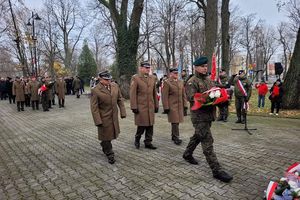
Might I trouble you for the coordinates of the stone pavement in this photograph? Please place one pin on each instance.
(56, 155)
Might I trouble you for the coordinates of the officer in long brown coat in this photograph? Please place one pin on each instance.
(105, 99)
(174, 102)
(60, 86)
(143, 103)
(201, 120)
(19, 92)
(34, 85)
(76, 86)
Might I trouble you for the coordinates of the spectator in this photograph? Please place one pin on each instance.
(276, 96)
(262, 89)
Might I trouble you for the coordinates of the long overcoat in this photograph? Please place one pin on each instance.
(104, 108)
(143, 97)
(60, 86)
(174, 99)
(33, 89)
(19, 90)
(76, 84)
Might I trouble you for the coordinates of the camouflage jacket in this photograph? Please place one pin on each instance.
(246, 84)
(200, 83)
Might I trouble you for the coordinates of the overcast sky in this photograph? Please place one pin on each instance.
(265, 9)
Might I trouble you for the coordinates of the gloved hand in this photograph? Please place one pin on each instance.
(185, 111)
(156, 110)
(166, 111)
(99, 125)
(135, 111)
(122, 117)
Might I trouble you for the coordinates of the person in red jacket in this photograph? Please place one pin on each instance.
(262, 91)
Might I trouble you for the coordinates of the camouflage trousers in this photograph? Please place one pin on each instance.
(239, 106)
(223, 110)
(203, 135)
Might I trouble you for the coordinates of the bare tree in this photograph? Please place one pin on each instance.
(225, 16)
(68, 16)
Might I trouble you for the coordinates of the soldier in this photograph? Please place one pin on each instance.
(60, 86)
(33, 89)
(201, 119)
(19, 92)
(143, 103)
(27, 92)
(9, 85)
(223, 107)
(105, 99)
(76, 86)
(242, 93)
(174, 102)
(46, 86)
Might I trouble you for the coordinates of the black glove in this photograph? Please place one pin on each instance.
(185, 111)
(122, 117)
(99, 125)
(156, 110)
(166, 111)
(135, 111)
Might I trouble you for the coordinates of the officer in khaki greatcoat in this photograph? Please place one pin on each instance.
(61, 88)
(34, 85)
(105, 99)
(174, 102)
(201, 120)
(19, 92)
(144, 103)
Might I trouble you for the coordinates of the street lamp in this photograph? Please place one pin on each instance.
(34, 16)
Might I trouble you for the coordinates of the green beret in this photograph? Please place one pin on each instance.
(200, 61)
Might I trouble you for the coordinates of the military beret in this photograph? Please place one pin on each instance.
(105, 75)
(145, 64)
(241, 71)
(200, 61)
(175, 70)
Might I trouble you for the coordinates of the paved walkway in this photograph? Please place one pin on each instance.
(56, 155)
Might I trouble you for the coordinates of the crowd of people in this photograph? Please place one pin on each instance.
(31, 92)
(106, 101)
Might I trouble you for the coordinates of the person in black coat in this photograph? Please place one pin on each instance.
(276, 96)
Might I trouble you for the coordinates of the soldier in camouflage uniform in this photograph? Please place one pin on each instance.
(241, 97)
(201, 120)
(223, 107)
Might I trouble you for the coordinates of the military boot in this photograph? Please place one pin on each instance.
(111, 159)
(239, 120)
(137, 143)
(222, 176)
(150, 146)
(176, 140)
(190, 159)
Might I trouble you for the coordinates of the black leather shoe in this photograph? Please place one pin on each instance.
(224, 120)
(243, 122)
(111, 160)
(137, 144)
(223, 176)
(190, 159)
(177, 141)
(150, 146)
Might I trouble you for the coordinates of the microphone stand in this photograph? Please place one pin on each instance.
(244, 112)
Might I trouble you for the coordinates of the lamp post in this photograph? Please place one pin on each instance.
(34, 16)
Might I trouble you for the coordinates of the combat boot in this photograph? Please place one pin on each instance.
(190, 159)
(239, 120)
(111, 159)
(177, 141)
(150, 146)
(137, 143)
(222, 176)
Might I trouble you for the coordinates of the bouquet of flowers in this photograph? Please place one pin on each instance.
(213, 96)
(42, 89)
(288, 187)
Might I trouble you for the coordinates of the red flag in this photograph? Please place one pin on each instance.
(213, 68)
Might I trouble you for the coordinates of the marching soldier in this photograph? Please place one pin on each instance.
(242, 93)
(143, 103)
(201, 119)
(60, 86)
(174, 103)
(105, 99)
(76, 86)
(223, 107)
(33, 88)
(19, 92)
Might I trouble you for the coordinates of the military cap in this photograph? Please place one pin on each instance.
(145, 64)
(200, 61)
(17, 77)
(241, 71)
(105, 75)
(174, 70)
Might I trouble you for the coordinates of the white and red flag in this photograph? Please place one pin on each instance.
(270, 190)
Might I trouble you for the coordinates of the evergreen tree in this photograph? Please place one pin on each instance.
(87, 66)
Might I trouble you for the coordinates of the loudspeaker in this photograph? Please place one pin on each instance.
(278, 68)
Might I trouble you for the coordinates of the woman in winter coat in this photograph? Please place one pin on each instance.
(276, 96)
